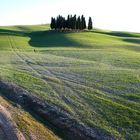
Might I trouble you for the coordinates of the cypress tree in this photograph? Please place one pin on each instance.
(68, 22)
(57, 22)
(81, 24)
(52, 23)
(84, 23)
(78, 23)
(64, 23)
(61, 22)
(90, 26)
(74, 22)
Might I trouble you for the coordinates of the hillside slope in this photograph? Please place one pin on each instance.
(93, 76)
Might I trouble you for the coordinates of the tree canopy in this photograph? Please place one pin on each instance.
(90, 26)
(72, 22)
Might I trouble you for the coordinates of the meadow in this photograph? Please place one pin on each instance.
(93, 75)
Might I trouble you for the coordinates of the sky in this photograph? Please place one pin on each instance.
(122, 15)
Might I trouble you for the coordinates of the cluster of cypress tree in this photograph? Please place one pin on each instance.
(72, 22)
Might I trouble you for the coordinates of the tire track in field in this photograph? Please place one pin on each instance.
(65, 81)
(26, 61)
(66, 92)
(57, 75)
(15, 51)
(29, 62)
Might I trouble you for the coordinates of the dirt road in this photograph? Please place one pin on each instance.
(8, 130)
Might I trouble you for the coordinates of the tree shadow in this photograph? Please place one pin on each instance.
(119, 34)
(11, 32)
(132, 40)
(45, 38)
(52, 39)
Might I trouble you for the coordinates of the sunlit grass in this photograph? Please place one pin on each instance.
(94, 76)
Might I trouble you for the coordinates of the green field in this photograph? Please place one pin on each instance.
(93, 75)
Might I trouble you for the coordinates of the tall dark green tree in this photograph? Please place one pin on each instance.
(81, 23)
(64, 23)
(90, 26)
(68, 22)
(52, 23)
(84, 23)
(78, 23)
(72, 22)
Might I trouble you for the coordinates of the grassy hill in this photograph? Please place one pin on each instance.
(94, 76)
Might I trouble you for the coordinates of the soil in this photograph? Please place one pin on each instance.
(8, 130)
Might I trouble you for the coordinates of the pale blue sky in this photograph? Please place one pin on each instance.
(106, 14)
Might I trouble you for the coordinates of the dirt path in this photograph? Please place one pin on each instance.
(8, 130)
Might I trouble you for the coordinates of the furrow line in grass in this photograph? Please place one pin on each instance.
(69, 84)
(52, 75)
(52, 114)
(27, 60)
(65, 80)
(31, 64)
(14, 48)
(111, 97)
(19, 56)
(107, 65)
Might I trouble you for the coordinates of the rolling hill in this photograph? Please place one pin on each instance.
(93, 76)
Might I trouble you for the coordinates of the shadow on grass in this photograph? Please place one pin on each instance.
(131, 40)
(119, 34)
(11, 32)
(61, 39)
(53, 39)
(45, 38)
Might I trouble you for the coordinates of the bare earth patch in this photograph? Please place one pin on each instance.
(8, 128)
